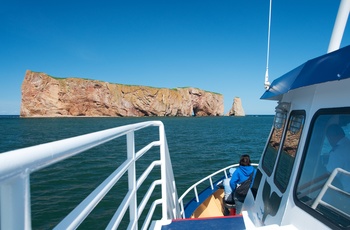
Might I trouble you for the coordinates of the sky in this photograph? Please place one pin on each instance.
(218, 46)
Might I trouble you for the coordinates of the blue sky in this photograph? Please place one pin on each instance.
(218, 46)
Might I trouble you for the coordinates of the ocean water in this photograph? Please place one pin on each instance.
(198, 147)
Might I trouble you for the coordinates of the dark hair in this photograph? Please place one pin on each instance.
(335, 130)
(334, 133)
(245, 160)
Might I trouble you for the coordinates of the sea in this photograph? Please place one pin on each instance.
(198, 147)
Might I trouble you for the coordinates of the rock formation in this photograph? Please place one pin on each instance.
(237, 108)
(46, 96)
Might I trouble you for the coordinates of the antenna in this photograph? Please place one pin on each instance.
(267, 83)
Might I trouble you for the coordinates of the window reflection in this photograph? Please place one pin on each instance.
(289, 149)
(324, 182)
(270, 155)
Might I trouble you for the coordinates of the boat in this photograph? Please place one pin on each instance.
(299, 183)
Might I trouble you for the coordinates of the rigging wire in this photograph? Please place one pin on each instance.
(267, 83)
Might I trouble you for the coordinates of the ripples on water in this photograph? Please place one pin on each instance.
(198, 147)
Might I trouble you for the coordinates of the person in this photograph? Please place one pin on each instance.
(241, 174)
(228, 198)
(339, 156)
(227, 187)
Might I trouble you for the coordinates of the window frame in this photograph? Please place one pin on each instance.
(299, 203)
(268, 171)
(282, 145)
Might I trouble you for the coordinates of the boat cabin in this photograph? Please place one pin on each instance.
(303, 178)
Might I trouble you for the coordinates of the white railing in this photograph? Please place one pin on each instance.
(209, 178)
(328, 185)
(16, 167)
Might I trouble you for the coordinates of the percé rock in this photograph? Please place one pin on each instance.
(46, 96)
(237, 108)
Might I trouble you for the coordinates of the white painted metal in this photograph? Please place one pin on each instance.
(16, 166)
(163, 173)
(133, 215)
(311, 99)
(328, 185)
(339, 26)
(267, 83)
(15, 203)
(150, 213)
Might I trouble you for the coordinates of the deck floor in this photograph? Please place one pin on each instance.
(229, 222)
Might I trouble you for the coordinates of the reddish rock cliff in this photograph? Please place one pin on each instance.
(45, 96)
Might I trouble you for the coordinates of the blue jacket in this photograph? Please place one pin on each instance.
(241, 174)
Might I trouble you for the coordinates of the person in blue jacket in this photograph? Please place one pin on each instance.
(240, 175)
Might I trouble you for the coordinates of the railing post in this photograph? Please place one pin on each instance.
(132, 178)
(163, 172)
(15, 203)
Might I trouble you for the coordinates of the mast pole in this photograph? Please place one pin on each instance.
(339, 25)
(267, 83)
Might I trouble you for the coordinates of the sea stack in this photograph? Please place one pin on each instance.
(237, 108)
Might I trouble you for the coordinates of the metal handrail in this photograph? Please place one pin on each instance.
(16, 167)
(208, 178)
(328, 185)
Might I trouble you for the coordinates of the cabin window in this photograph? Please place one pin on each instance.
(323, 187)
(270, 155)
(289, 149)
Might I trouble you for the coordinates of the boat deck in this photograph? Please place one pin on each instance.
(226, 222)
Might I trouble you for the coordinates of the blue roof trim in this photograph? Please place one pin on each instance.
(333, 66)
